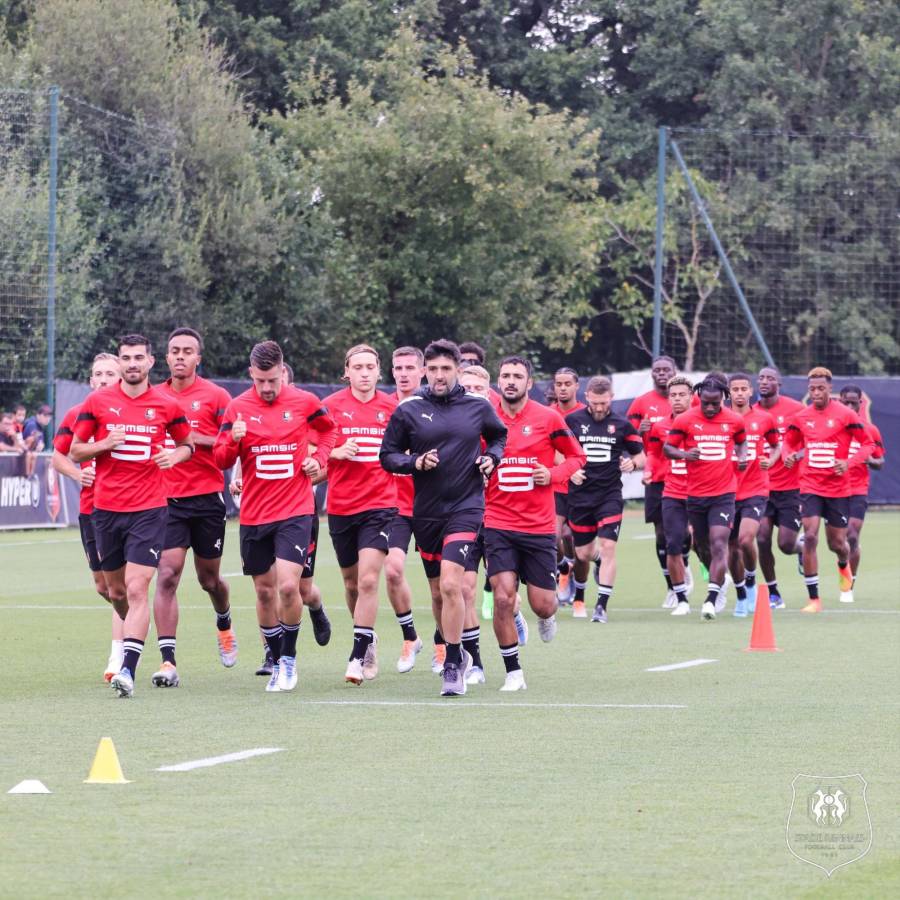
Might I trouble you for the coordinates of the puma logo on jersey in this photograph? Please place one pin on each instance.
(724, 516)
(384, 535)
(464, 551)
(698, 426)
(256, 419)
(349, 415)
(155, 553)
(300, 550)
(757, 510)
(118, 411)
(429, 416)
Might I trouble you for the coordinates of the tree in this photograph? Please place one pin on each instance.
(462, 209)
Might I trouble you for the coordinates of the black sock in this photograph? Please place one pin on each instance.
(741, 588)
(223, 620)
(563, 566)
(750, 578)
(454, 654)
(713, 593)
(362, 637)
(289, 635)
(133, 649)
(604, 592)
(662, 556)
(470, 640)
(510, 656)
(842, 563)
(167, 648)
(272, 637)
(405, 621)
(680, 592)
(812, 586)
(773, 588)
(579, 589)
(438, 637)
(686, 548)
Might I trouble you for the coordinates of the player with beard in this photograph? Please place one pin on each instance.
(818, 438)
(128, 423)
(752, 494)
(362, 505)
(196, 507)
(851, 396)
(519, 532)
(783, 505)
(268, 427)
(436, 435)
(709, 438)
(675, 493)
(612, 446)
(644, 411)
(565, 401)
(105, 372)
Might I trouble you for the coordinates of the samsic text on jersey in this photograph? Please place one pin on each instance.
(513, 502)
(272, 452)
(127, 478)
(203, 405)
(360, 483)
(714, 473)
(603, 444)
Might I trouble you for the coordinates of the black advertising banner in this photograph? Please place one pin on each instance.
(33, 495)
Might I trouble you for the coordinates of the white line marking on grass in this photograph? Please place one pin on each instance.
(218, 760)
(643, 537)
(36, 543)
(682, 665)
(511, 705)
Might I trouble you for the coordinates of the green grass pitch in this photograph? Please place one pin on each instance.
(388, 791)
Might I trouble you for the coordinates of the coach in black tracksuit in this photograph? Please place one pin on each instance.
(436, 435)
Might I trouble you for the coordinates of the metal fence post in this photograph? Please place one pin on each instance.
(51, 246)
(660, 223)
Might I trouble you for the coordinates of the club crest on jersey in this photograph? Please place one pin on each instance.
(780, 419)
(286, 415)
(526, 429)
(149, 413)
(610, 429)
(831, 423)
(379, 416)
(195, 405)
(724, 426)
(754, 426)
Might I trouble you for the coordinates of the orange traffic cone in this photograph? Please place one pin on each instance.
(762, 637)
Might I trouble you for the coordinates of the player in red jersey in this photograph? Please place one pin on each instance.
(752, 492)
(408, 370)
(612, 446)
(852, 396)
(519, 528)
(708, 437)
(196, 506)
(105, 372)
(128, 423)
(268, 427)
(818, 438)
(674, 497)
(362, 504)
(565, 393)
(783, 506)
(642, 413)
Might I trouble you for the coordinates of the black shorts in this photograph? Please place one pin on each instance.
(368, 530)
(309, 567)
(675, 524)
(653, 501)
(123, 537)
(476, 554)
(749, 508)
(287, 539)
(561, 502)
(89, 541)
(531, 556)
(602, 518)
(452, 539)
(197, 522)
(401, 532)
(834, 510)
(783, 508)
(859, 503)
(706, 512)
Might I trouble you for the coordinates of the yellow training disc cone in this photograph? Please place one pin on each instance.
(106, 768)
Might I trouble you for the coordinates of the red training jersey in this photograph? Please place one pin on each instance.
(128, 480)
(761, 431)
(672, 472)
(781, 478)
(513, 502)
(203, 405)
(406, 489)
(360, 483)
(62, 442)
(650, 406)
(564, 488)
(859, 475)
(826, 434)
(272, 452)
(713, 474)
